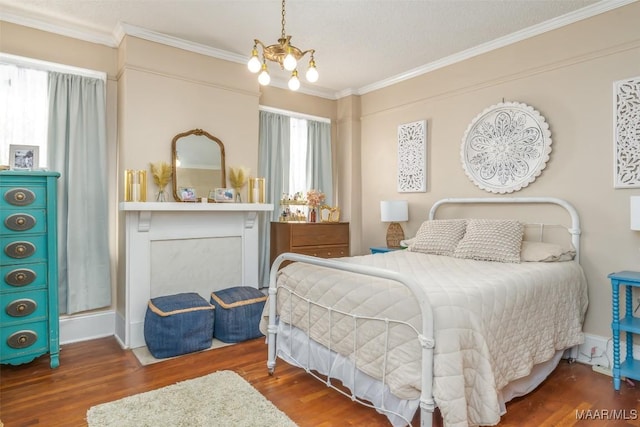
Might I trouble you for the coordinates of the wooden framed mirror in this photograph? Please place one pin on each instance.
(198, 165)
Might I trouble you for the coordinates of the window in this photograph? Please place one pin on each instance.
(23, 110)
(298, 156)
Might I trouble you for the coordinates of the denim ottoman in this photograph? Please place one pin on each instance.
(178, 324)
(237, 313)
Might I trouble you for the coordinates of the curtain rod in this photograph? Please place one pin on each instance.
(294, 114)
(50, 66)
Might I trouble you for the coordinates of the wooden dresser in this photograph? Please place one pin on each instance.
(29, 325)
(324, 239)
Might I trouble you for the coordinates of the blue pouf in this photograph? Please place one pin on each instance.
(237, 313)
(178, 324)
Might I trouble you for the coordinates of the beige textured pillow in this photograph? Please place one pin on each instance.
(491, 240)
(545, 252)
(439, 236)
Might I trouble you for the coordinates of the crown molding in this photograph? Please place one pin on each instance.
(52, 25)
(122, 29)
(552, 24)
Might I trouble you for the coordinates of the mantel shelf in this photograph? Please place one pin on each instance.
(191, 207)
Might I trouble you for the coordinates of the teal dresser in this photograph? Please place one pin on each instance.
(29, 325)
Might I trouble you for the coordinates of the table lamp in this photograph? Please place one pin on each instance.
(634, 210)
(394, 211)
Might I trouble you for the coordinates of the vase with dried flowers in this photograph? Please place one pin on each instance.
(314, 199)
(161, 172)
(238, 178)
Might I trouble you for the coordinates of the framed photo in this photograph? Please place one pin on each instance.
(187, 194)
(24, 157)
(223, 195)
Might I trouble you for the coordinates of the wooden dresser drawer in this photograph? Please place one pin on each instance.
(323, 251)
(319, 234)
(324, 240)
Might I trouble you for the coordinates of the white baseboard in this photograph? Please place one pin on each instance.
(85, 327)
(603, 354)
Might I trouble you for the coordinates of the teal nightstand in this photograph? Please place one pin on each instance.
(383, 249)
(630, 368)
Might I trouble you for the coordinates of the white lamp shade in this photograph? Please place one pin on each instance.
(394, 210)
(634, 210)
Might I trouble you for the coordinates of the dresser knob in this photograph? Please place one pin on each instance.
(20, 277)
(20, 220)
(21, 308)
(20, 249)
(22, 339)
(20, 196)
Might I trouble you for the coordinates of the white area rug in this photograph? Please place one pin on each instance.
(220, 399)
(146, 358)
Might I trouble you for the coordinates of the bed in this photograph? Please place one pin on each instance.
(440, 324)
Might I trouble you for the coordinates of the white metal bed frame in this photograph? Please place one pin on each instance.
(426, 336)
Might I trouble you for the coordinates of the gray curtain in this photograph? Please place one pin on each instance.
(319, 167)
(77, 142)
(273, 165)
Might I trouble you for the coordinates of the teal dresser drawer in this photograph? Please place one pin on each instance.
(23, 277)
(23, 249)
(22, 307)
(23, 342)
(22, 195)
(29, 321)
(23, 221)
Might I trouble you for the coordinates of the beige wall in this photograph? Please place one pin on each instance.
(164, 91)
(568, 76)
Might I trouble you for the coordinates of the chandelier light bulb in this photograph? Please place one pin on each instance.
(294, 81)
(264, 78)
(312, 73)
(254, 64)
(290, 63)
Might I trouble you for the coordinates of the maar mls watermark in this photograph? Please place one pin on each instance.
(607, 414)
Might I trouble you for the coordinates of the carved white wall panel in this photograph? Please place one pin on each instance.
(412, 157)
(506, 147)
(627, 133)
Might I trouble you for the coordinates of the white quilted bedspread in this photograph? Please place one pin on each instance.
(493, 321)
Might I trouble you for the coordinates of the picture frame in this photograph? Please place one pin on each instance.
(329, 213)
(187, 194)
(223, 195)
(24, 157)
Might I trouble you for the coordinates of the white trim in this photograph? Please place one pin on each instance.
(604, 350)
(20, 17)
(294, 114)
(122, 29)
(87, 326)
(37, 64)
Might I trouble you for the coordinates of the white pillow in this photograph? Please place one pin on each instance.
(439, 236)
(491, 240)
(545, 252)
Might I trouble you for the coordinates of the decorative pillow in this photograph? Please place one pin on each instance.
(545, 252)
(491, 240)
(439, 236)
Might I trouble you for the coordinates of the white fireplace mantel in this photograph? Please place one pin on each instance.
(184, 247)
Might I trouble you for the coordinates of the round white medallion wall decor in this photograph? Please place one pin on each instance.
(506, 147)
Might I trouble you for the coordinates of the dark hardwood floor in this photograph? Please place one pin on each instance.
(99, 371)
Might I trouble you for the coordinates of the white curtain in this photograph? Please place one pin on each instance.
(319, 165)
(23, 110)
(273, 164)
(77, 141)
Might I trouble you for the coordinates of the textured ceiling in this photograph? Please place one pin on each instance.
(360, 44)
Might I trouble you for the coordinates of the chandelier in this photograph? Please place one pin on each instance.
(285, 54)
